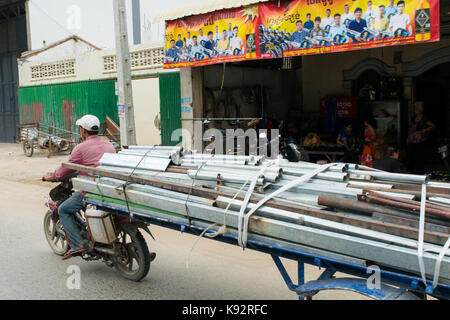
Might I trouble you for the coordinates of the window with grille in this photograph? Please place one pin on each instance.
(143, 59)
(54, 70)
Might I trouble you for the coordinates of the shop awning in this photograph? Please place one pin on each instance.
(202, 8)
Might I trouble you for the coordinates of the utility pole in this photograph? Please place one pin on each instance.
(137, 21)
(125, 103)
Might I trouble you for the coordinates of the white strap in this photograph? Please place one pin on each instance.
(437, 270)
(287, 187)
(247, 199)
(421, 233)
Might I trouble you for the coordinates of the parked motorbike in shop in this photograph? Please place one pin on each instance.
(115, 240)
(289, 148)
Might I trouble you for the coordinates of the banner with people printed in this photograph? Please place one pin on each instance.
(222, 36)
(299, 27)
(303, 27)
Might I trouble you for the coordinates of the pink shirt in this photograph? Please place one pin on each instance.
(87, 154)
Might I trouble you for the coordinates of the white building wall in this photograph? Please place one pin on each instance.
(146, 105)
(146, 59)
(147, 64)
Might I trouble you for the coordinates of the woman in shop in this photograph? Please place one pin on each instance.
(417, 140)
(369, 143)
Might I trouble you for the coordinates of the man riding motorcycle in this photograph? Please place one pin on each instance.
(88, 154)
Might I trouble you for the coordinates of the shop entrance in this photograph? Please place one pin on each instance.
(433, 89)
(263, 94)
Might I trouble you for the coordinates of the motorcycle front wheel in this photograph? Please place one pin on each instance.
(55, 235)
(133, 261)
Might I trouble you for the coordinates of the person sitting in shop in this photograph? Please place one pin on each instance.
(389, 162)
(347, 139)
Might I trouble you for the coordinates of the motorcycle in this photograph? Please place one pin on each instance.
(292, 151)
(124, 249)
(289, 149)
(272, 42)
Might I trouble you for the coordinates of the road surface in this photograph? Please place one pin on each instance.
(29, 270)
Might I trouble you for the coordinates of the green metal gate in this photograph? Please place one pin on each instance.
(170, 96)
(61, 105)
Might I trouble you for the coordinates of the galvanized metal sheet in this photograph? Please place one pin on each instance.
(138, 162)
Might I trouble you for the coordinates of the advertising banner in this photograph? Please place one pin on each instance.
(299, 27)
(303, 27)
(222, 36)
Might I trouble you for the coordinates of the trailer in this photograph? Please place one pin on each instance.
(45, 137)
(394, 284)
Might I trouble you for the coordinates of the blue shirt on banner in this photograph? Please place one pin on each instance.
(358, 26)
(179, 43)
(309, 25)
(172, 53)
(210, 44)
(299, 36)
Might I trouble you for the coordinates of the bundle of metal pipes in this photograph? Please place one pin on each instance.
(340, 211)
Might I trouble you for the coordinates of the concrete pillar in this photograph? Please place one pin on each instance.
(191, 81)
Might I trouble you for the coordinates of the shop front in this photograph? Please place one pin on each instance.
(313, 90)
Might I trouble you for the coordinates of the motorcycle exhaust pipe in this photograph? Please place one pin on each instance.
(109, 252)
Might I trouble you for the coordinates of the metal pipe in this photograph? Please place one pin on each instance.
(402, 205)
(412, 202)
(331, 176)
(386, 176)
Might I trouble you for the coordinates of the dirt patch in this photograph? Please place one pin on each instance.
(15, 166)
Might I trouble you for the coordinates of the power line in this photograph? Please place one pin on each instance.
(53, 19)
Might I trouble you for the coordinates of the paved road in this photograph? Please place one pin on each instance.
(29, 270)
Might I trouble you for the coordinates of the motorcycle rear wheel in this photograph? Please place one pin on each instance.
(58, 242)
(134, 253)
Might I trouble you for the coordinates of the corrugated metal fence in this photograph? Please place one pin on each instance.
(13, 41)
(170, 95)
(9, 115)
(61, 105)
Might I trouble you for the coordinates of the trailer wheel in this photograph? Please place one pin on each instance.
(28, 148)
